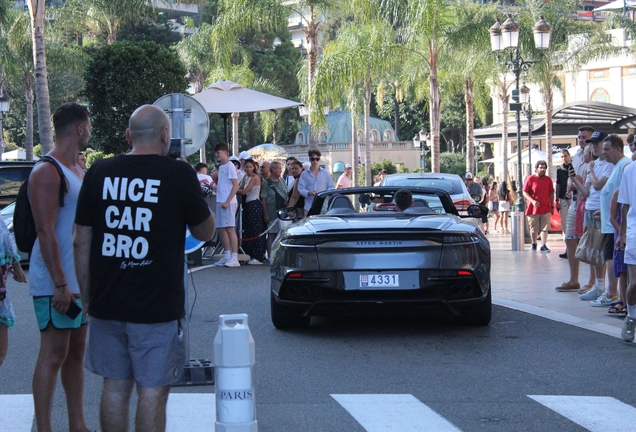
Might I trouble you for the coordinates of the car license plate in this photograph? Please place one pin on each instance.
(379, 280)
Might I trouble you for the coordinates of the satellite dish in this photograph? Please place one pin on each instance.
(195, 121)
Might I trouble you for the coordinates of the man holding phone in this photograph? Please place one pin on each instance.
(53, 284)
(129, 249)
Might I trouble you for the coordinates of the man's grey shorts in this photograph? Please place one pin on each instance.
(151, 354)
(571, 221)
(225, 217)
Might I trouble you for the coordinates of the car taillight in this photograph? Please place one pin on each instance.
(462, 205)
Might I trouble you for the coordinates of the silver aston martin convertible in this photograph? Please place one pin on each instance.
(355, 254)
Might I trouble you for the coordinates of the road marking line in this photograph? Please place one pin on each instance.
(560, 317)
(393, 412)
(590, 412)
(192, 412)
(17, 412)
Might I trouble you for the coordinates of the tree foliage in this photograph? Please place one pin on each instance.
(119, 79)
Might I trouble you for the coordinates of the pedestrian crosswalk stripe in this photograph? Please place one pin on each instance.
(17, 412)
(192, 412)
(591, 412)
(393, 412)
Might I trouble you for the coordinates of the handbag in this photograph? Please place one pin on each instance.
(591, 245)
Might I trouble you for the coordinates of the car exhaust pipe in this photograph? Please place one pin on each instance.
(292, 291)
(468, 289)
(305, 292)
(454, 289)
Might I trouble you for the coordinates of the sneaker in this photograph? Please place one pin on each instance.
(534, 247)
(544, 249)
(254, 261)
(604, 300)
(222, 261)
(563, 255)
(592, 294)
(627, 332)
(234, 262)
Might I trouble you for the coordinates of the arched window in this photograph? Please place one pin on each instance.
(300, 138)
(374, 135)
(389, 135)
(322, 137)
(360, 136)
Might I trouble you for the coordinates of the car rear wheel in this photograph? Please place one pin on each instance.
(478, 315)
(286, 318)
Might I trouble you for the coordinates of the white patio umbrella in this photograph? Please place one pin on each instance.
(617, 5)
(227, 97)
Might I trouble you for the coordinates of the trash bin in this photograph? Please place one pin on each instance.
(518, 231)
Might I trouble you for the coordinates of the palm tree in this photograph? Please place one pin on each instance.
(360, 55)
(36, 14)
(592, 44)
(17, 58)
(469, 46)
(423, 27)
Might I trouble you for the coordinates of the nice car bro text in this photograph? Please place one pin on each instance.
(131, 219)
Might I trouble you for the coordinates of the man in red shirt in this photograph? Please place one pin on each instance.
(539, 194)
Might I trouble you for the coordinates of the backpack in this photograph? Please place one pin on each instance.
(23, 223)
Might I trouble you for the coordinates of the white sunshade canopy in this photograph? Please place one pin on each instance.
(17, 155)
(617, 6)
(225, 97)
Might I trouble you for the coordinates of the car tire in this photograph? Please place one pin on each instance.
(478, 315)
(286, 318)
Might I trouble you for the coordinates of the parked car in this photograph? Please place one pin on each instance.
(341, 261)
(450, 183)
(12, 175)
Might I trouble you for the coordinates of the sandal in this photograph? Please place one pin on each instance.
(585, 288)
(617, 308)
(568, 286)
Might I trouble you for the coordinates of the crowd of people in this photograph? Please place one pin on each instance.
(595, 196)
(263, 189)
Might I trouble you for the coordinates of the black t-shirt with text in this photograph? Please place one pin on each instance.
(138, 207)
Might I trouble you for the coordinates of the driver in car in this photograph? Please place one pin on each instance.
(403, 200)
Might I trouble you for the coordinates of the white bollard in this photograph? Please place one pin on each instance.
(234, 356)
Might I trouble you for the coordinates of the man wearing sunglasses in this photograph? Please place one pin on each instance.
(314, 180)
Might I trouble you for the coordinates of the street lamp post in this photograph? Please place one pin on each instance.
(5, 103)
(524, 98)
(505, 37)
(420, 142)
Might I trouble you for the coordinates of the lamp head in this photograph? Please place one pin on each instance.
(542, 30)
(495, 37)
(510, 33)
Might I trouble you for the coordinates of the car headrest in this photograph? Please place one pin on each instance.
(340, 202)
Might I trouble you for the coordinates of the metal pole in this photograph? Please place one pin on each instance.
(521, 201)
(529, 115)
(1, 135)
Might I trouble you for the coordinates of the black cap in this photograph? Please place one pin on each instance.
(597, 137)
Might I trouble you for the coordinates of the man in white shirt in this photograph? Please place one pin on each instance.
(598, 172)
(226, 205)
(314, 180)
(345, 179)
(627, 241)
(571, 239)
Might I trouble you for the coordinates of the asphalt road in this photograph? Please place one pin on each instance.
(320, 378)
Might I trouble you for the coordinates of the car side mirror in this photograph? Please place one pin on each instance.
(288, 214)
(476, 197)
(477, 211)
